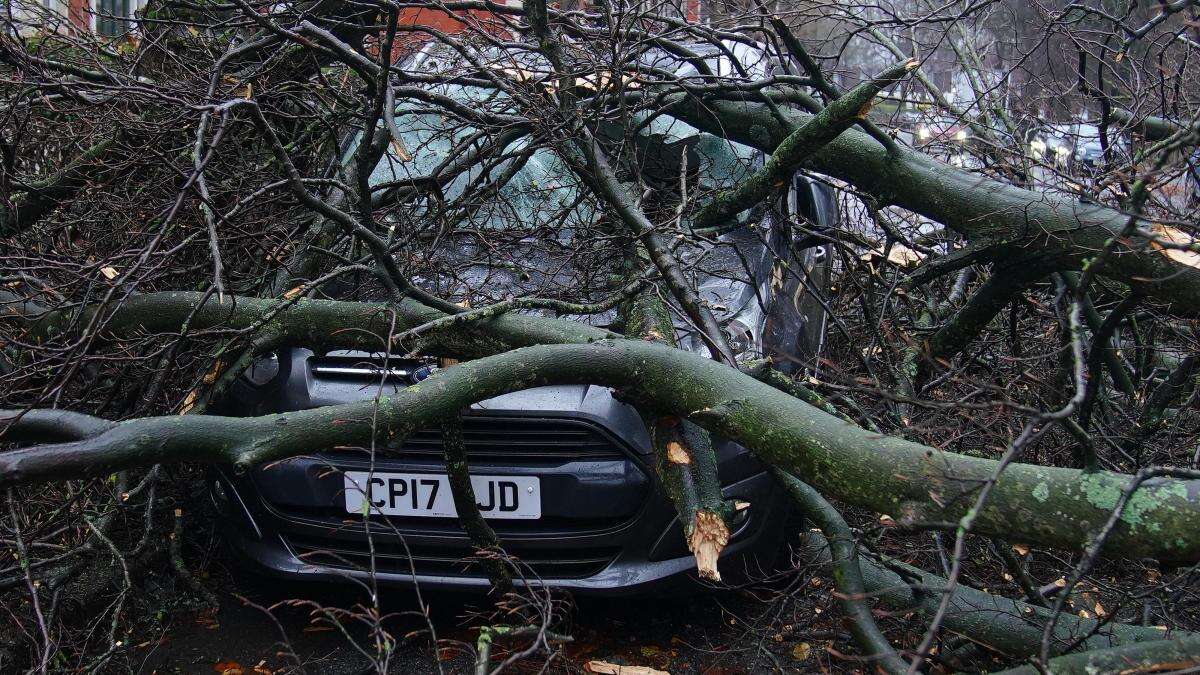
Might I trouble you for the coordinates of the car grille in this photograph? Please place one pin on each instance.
(510, 440)
(394, 557)
(513, 440)
(517, 438)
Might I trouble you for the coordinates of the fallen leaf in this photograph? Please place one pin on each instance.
(1021, 549)
(109, 273)
(606, 668)
(801, 651)
(228, 668)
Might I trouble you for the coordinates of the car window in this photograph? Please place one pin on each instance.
(543, 191)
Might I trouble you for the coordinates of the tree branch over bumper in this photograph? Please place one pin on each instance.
(914, 483)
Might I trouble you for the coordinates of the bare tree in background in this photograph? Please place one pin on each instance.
(998, 443)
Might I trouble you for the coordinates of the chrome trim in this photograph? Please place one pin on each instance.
(372, 371)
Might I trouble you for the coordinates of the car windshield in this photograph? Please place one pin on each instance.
(537, 188)
(534, 207)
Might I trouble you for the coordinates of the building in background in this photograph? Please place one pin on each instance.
(109, 18)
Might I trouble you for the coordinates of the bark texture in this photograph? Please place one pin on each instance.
(1050, 506)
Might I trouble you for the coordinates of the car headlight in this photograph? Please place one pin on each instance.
(923, 132)
(744, 341)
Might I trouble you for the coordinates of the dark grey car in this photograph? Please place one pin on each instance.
(603, 525)
(564, 474)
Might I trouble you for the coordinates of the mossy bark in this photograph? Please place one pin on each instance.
(316, 324)
(1050, 506)
(1008, 626)
(684, 457)
(1063, 231)
(482, 536)
(1163, 656)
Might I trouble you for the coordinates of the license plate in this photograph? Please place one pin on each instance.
(428, 495)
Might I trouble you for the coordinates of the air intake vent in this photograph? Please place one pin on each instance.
(514, 438)
(391, 556)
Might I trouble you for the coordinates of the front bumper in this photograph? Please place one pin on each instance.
(608, 528)
(753, 550)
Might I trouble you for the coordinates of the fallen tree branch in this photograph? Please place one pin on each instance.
(1155, 128)
(688, 468)
(847, 575)
(483, 537)
(972, 318)
(1011, 627)
(810, 136)
(1062, 230)
(310, 322)
(914, 483)
(685, 461)
(1146, 657)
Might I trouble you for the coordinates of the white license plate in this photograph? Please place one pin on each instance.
(428, 495)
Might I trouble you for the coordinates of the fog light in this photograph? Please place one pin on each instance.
(672, 543)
